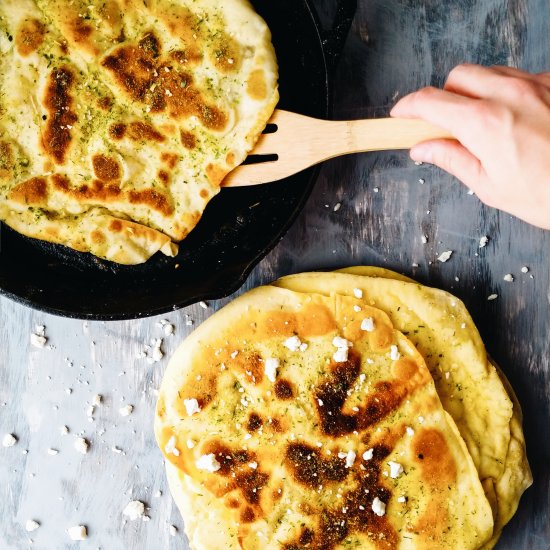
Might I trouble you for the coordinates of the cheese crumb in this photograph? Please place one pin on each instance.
(401, 499)
(134, 510)
(170, 447)
(81, 445)
(357, 308)
(208, 462)
(492, 297)
(31, 525)
(357, 292)
(350, 459)
(410, 431)
(394, 353)
(421, 419)
(204, 305)
(445, 256)
(253, 465)
(78, 532)
(367, 324)
(424, 239)
(483, 242)
(126, 411)
(270, 368)
(342, 345)
(367, 455)
(509, 278)
(9, 440)
(97, 399)
(190, 444)
(525, 269)
(378, 507)
(52, 452)
(173, 530)
(191, 406)
(395, 469)
(293, 343)
(64, 430)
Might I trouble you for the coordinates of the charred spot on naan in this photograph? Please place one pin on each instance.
(58, 101)
(29, 36)
(33, 192)
(7, 161)
(146, 76)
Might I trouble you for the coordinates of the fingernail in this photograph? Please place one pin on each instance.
(422, 153)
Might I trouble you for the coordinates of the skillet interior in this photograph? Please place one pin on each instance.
(238, 227)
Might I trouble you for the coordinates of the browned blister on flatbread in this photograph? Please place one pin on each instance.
(136, 109)
(295, 420)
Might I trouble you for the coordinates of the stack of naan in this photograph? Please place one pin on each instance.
(119, 119)
(355, 409)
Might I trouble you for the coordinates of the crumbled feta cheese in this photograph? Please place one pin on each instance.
(96, 400)
(394, 353)
(31, 525)
(81, 445)
(190, 444)
(350, 458)
(170, 447)
(270, 368)
(38, 340)
(303, 346)
(293, 343)
(357, 292)
(509, 278)
(401, 499)
(9, 440)
(421, 419)
(191, 406)
(395, 469)
(483, 242)
(367, 324)
(492, 297)
(173, 530)
(337, 207)
(204, 305)
(525, 269)
(64, 430)
(410, 431)
(367, 455)
(356, 308)
(340, 355)
(78, 532)
(253, 465)
(424, 239)
(126, 410)
(378, 507)
(234, 354)
(157, 353)
(320, 401)
(134, 510)
(445, 256)
(208, 462)
(166, 326)
(52, 452)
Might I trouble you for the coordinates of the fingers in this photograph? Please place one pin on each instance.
(442, 108)
(454, 158)
(475, 81)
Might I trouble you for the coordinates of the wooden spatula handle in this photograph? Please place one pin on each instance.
(380, 134)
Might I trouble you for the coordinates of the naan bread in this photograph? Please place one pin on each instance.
(126, 110)
(292, 420)
(473, 391)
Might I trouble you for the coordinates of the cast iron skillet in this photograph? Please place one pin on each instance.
(239, 226)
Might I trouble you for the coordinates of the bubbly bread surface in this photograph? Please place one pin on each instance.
(120, 118)
(300, 420)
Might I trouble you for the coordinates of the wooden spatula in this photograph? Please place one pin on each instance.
(298, 142)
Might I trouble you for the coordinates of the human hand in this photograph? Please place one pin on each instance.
(500, 117)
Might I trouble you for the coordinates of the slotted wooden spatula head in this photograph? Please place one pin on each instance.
(292, 143)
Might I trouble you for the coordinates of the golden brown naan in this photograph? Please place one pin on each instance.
(294, 420)
(120, 118)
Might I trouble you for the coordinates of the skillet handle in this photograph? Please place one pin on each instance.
(335, 38)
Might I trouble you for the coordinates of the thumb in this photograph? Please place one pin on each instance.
(452, 157)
